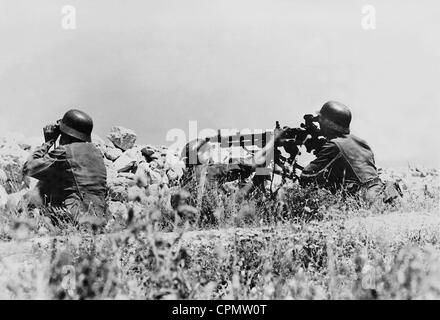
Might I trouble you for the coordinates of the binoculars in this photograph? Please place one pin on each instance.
(52, 131)
(307, 134)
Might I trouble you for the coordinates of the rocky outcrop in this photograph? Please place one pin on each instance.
(141, 174)
(122, 138)
(15, 148)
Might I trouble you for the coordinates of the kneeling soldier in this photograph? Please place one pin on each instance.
(72, 177)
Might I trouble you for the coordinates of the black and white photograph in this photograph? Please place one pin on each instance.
(209, 150)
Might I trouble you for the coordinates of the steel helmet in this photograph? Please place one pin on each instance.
(77, 124)
(335, 116)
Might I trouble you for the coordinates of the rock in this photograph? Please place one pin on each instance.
(120, 181)
(142, 179)
(112, 153)
(172, 175)
(165, 179)
(32, 183)
(117, 184)
(122, 138)
(99, 143)
(12, 153)
(149, 154)
(117, 209)
(3, 176)
(175, 172)
(112, 174)
(118, 193)
(97, 140)
(135, 153)
(126, 175)
(172, 159)
(177, 166)
(3, 198)
(33, 197)
(15, 198)
(124, 163)
(155, 176)
(15, 147)
(29, 144)
(154, 165)
(179, 171)
(108, 163)
(149, 175)
(160, 163)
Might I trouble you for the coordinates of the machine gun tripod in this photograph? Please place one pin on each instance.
(307, 135)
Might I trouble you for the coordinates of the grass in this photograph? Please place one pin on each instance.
(302, 244)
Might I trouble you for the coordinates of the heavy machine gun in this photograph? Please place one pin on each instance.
(307, 135)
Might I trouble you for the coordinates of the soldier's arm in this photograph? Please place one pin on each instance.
(42, 162)
(315, 171)
(265, 155)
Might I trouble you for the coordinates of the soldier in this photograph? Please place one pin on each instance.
(72, 177)
(345, 161)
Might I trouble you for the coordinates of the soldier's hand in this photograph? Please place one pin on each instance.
(280, 134)
(282, 140)
(51, 132)
(291, 148)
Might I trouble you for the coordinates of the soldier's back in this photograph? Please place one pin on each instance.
(358, 156)
(87, 182)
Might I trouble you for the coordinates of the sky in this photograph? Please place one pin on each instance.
(156, 65)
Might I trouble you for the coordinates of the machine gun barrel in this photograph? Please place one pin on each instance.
(242, 140)
(307, 134)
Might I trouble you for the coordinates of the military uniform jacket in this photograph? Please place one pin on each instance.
(345, 161)
(72, 176)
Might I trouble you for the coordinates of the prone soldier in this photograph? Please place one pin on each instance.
(343, 162)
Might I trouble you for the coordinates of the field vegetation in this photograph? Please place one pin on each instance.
(299, 244)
